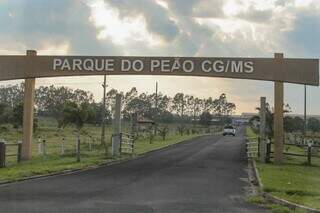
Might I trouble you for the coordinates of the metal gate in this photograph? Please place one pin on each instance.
(127, 143)
(252, 147)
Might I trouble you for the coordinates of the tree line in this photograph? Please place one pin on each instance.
(291, 124)
(55, 101)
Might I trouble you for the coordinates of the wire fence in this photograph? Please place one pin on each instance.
(295, 145)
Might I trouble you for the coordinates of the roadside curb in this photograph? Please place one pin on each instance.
(274, 199)
(114, 162)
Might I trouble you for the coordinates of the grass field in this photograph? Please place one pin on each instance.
(293, 180)
(54, 161)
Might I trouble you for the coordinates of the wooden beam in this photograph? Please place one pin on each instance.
(28, 113)
(262, 146)
(278, 116)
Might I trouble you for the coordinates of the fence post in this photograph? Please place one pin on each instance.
(121, 136)
(309, 153)
(19, 151)
(2, 154)
(62, 146)
(90, 144)
(268, 151)
(116, 145)
(262, 141)
(259, 145)
(132, 145)
(39, 146)
(44, 147)
(78, 148)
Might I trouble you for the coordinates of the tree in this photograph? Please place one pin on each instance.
(289, 125)
(208, 105)
(128, 98)
(298, 124)
(313, 124)
(5, 113)
(219, 104)
(230, 108)
(293, 124)
(196, 107)
(222, 107)
(50, 100)
(75, 114)
(179, 104)
(205, 118)
(11, 94)
(163, 131)
(270, 118)
(17, 116)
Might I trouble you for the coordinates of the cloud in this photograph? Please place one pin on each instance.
(248, 28)
(305, 34)
(156, 17)
(35, 23)
(254, 15)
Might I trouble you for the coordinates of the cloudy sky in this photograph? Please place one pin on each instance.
(244, 28)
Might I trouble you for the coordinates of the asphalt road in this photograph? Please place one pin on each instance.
(207, 174)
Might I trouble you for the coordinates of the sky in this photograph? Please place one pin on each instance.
(199, 28)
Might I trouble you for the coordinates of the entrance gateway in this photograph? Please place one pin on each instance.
(277, 69)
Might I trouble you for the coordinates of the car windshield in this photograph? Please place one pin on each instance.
(228, 127)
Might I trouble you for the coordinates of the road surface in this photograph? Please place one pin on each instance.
(207, 174)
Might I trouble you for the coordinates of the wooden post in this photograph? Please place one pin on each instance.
(268, 151)
(44, 152)
(2, 154)
(278, 115)
(309, 152)
(78, 154)
(28, 110)
(262, 144)
(62, 146)
(19, 151)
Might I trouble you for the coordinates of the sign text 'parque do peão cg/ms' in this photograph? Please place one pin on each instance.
(153, 65)
(301, 71)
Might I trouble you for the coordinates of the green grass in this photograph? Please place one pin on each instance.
(283, 209)
(54, 162)
(47, 165)
(275, 208)
(293, 180)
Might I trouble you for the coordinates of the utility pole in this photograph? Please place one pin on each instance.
(103, 113)
(305, 111)
(156, 110)
(156, 96)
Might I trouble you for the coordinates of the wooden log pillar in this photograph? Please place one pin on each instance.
(278, 115)
(262, 146)
(28, 113)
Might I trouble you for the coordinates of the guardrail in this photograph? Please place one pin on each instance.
(4, 155)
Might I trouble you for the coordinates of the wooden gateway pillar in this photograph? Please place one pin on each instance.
(28, 113)
(262, 145)
(278, 115)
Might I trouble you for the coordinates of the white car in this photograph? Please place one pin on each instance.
(229, 130)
